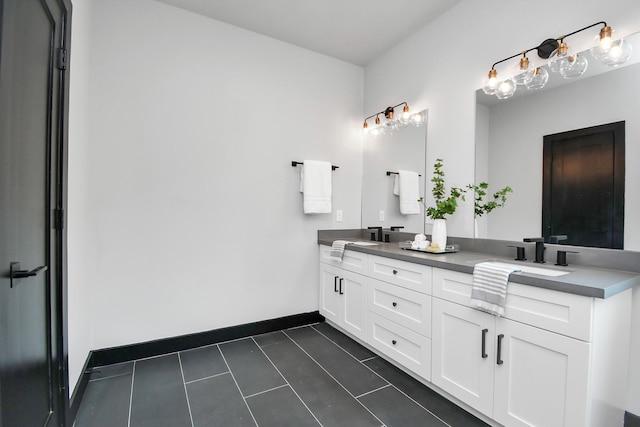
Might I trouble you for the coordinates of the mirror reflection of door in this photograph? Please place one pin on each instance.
(583, 187)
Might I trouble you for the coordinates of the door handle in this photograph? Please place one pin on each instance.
(16, 273)
(340, 286)
(335, 284)
(499, 360)
(484, 344)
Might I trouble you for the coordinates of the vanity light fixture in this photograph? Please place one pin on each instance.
(392, 123)
(609, 49)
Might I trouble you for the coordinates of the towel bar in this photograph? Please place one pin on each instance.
(294, 164)
(389, 173)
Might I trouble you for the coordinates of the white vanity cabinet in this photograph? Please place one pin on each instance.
(548, 362)
(343, 293)
(399, 304)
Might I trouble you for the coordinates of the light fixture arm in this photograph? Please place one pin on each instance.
(549, 45)
(386, 111)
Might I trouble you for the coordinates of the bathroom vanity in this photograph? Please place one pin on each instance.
(558, 357)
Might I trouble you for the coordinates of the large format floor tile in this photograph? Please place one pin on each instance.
(328, 400)
(159, 398)
(216, 401)
(309, 376)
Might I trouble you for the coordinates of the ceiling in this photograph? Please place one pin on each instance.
(356, 31)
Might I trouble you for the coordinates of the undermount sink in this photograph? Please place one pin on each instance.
(364, 243)
(525, 268)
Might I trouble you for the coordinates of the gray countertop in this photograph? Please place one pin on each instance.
(581, 280)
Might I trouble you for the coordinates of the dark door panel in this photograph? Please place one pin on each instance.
(583, 188)
(31, 88)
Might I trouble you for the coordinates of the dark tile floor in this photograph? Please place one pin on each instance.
(308, 376)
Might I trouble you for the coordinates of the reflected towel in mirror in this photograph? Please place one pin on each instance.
(407, 186)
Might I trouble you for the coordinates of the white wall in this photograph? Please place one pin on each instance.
(445, 62)
(185, 213)
(79, 216)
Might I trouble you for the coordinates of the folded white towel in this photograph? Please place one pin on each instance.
(337, 250)
(409, 192)
(315, 184)
(423, 245)
(489, 289)
(420, 238)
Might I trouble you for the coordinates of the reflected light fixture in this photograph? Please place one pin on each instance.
(608, 48)
(392, 123)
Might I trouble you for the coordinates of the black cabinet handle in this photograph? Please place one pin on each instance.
(395, 271)
(484, 343)
(341, 293)
(393, 342)
(499, 361)
(15, 273)
(335, 284)
(394, 304)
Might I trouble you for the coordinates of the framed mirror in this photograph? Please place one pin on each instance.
(510, 134)
(403, 149)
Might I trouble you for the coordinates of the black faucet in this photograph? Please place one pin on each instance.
(379, 239)
(539, 241)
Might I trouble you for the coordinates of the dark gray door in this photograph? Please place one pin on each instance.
(32, 134)
(583, 186)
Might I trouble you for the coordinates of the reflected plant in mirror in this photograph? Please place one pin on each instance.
(480, 206)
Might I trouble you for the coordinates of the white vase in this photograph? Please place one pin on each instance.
(439, 233)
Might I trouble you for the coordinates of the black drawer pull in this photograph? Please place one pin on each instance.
(393, 342)
(341, 293)
(335, 284)
(484, 344)
(395, 271)
(394, 304)
(499, 360)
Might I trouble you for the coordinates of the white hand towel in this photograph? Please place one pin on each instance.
(409, 192)
(315, 184)
(337, 250)
(489, 289)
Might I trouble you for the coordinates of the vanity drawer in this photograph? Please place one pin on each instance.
(408, 348)
(408, 308)
(555, 311)
(406, 274)
(352, 261)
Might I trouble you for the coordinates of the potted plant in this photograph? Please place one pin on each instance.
(445, 204)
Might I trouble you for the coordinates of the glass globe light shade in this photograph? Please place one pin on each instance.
(537, 79)
(556, 57)
(573, 66)
(417, 119)
(506, 89)
(405, 118)
(490, 83)
(390, 126)
(609, 48)
(618, 54)
(522, 71)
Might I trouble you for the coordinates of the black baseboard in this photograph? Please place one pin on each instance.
(127, 353)
(631, 420)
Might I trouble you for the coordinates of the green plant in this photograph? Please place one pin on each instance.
(480, 191)
(444, 205)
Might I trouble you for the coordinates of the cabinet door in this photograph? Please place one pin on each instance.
(543, 380)
(459, 364)
(329, 295)
(352, 291)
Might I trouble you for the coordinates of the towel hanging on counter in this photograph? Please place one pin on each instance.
(489, 289)
(337, 250)
(407, 186)
(315, 184)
